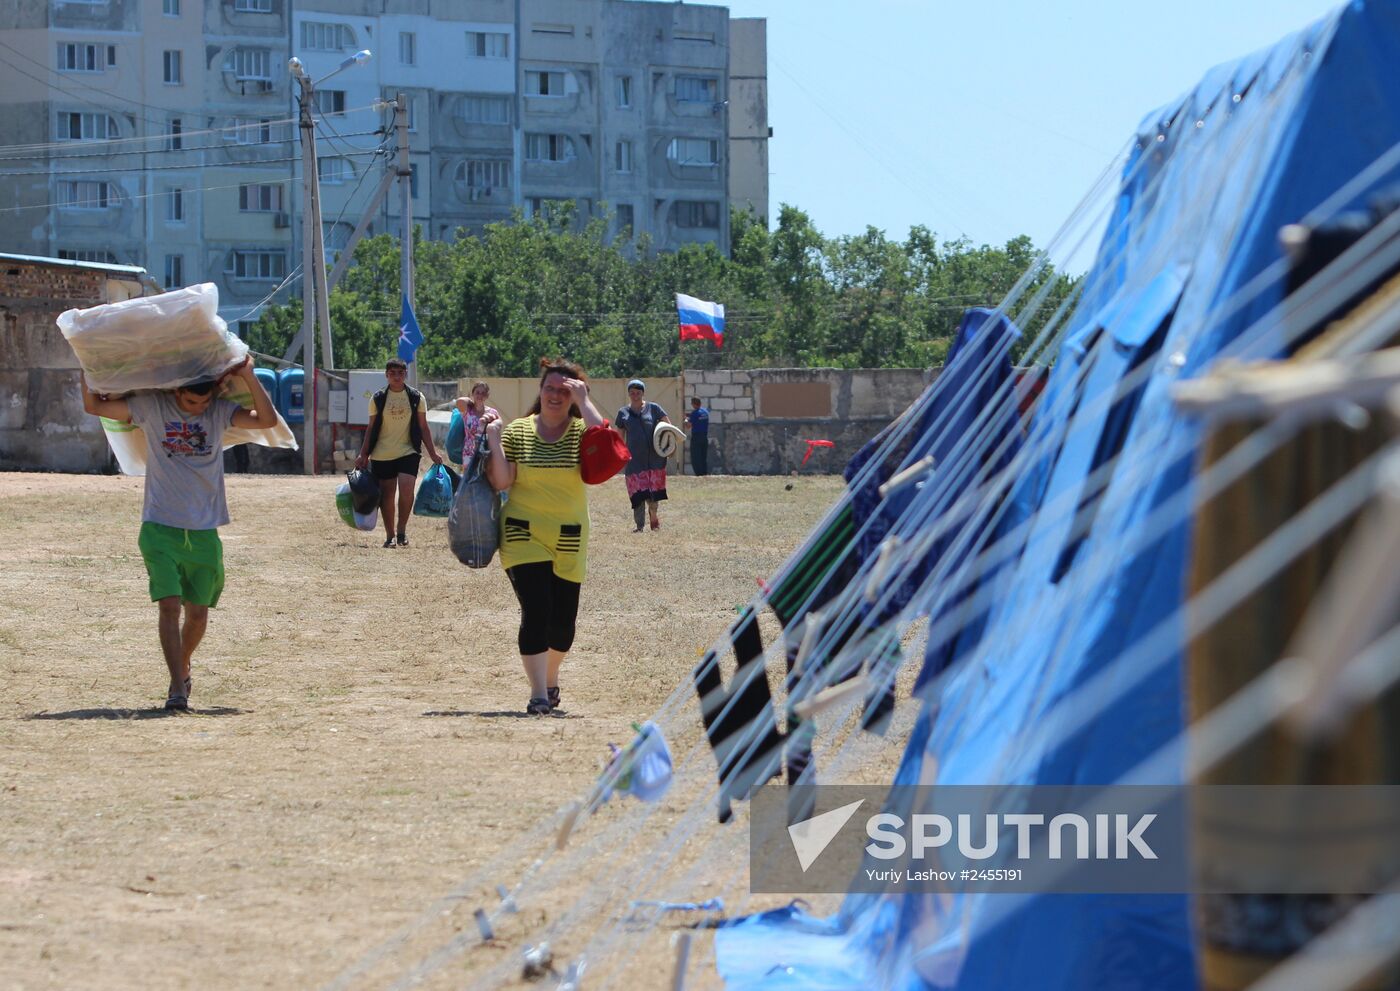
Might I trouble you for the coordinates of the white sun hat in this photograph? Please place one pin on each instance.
(666, 439)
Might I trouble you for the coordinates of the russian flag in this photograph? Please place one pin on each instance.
(700, 321)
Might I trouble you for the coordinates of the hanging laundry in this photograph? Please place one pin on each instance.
(739, 720)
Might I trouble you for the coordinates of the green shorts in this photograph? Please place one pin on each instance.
(184, 563)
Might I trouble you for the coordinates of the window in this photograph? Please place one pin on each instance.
(413, 180)
(697, 213)
(250, 132)
(622, 156)
(170, 8)
(702, 36)
(86, 127)
(174, 271)
(625, 218)
(566, 30)
(111, 56)
(548, 148)
(488, 44)
(330, 102)
(408, 48)
(334, 170)
(486, 109)
(693, 151)
(253, 6)
(174, 134)
(172, 75)
(81, 58)
(87, 255)
(482, 175)
(544, 83)
(321, 36)
(175, 206)
(543, 206)
(624, 92)
(697, 89)
(411, 111)
(250, 63)
(84, 195)
(260, 198)
(262, 265)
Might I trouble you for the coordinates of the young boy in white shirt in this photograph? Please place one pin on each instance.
(184, 503)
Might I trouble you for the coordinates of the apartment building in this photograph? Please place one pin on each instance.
(135, 129)
(163, 133)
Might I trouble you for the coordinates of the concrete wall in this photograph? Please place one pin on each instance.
(42, 423)
(757, 421)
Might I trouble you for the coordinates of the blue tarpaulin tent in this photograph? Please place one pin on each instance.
(1088, 607)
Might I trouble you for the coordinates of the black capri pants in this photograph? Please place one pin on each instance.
(548, 607)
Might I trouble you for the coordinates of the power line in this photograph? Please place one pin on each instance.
(169, 168)
(239, 121)
(51, 85)
(224, 145)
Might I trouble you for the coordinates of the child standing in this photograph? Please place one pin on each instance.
(184, 504)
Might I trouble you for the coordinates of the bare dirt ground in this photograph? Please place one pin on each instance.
(356, 776)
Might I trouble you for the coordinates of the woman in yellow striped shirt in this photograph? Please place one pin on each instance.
(544, 525)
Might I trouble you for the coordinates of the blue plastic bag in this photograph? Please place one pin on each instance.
(434, 493)
(456, 437)
(473, 525)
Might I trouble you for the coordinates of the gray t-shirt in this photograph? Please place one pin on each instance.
(184, 460)
(638, 428)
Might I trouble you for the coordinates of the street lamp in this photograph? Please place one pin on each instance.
(315, 306)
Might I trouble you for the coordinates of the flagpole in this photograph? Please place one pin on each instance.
(405, 173)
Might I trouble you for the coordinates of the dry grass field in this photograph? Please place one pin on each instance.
(356, 775)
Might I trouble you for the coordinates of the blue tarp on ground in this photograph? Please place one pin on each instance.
(1190, 268)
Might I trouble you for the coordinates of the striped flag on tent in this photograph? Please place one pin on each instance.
(699, 320)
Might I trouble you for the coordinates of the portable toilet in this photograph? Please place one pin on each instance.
(291, 395)
(267, 378)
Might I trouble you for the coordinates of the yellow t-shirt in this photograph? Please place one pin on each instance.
(393, 442)
(546, 516)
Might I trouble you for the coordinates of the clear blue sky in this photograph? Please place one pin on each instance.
(984, 118)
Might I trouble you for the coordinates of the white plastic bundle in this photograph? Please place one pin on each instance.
(153, 342)
(128, 441)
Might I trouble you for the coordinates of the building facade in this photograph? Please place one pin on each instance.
(163, 133)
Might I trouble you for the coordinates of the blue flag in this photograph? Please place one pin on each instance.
(410, 336)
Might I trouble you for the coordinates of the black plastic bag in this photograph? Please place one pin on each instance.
(364, 490)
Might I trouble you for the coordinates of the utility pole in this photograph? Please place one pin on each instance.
(405, 174)
(315, 301)
(310, 223)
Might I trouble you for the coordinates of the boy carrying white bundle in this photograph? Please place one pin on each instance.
(184, 502)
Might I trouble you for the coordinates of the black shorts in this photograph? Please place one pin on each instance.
(387, 471)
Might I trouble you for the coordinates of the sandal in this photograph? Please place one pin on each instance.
(553, 694)
(388, 541)
(403, 540)
(538, 707)
(175, 702)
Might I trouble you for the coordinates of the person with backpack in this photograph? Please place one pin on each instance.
(398, 429)
(184, 503)
(544, 524)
